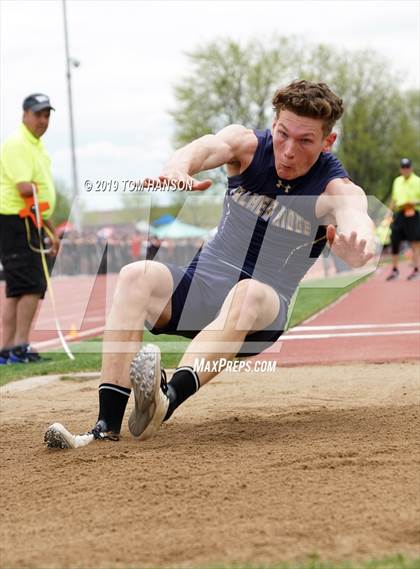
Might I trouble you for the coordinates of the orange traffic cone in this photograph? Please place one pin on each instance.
(73, 331)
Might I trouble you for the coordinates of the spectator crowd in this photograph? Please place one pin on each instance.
(91, 252)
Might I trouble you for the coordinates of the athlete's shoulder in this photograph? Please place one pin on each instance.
(239, 137)
(330, 159)
(242, 143)
(263, 134)
(331, 167)
(343, 186)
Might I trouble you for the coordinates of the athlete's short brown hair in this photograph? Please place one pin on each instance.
(308, 99)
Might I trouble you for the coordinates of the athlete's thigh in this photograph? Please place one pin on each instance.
(160, 284)
(249, 293)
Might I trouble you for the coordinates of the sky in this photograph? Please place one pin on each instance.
(131, 54)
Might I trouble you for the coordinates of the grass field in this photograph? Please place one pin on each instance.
(397, 562)
(310, 299)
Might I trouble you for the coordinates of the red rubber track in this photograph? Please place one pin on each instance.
(380, 319)
(80, 306)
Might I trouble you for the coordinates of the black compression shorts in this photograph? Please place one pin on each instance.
(22, 267)
(193, 308)
(404, 229)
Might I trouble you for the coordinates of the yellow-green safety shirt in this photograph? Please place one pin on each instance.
(23, 158)
(406, 190)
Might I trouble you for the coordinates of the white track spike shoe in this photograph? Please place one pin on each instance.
(57, 436)
(149, 387)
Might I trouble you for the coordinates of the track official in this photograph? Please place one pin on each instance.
(405, 203)
(24, 164)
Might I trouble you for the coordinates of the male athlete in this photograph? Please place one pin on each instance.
(287, 196)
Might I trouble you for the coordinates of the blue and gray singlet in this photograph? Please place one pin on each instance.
(269, 230)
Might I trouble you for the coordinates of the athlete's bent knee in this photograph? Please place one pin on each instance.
(250, 294)
(132, 282)
(247, 303)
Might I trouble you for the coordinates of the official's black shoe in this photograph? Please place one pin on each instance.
(23, 354)
(394, 274)
(4, 356)
(413, 275)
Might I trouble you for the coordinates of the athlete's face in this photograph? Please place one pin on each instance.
(297, 143)
(36, 123)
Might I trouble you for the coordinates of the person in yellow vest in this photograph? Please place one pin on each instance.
(405, 203)
(24, 164)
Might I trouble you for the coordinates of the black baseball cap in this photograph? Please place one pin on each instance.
(37, 102)
(405, 163)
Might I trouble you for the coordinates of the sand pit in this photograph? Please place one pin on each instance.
(256, 468)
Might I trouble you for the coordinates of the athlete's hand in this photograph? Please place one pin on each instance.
(179, 180)
(190, 183)
(349, 248)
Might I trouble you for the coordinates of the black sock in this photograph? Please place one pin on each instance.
(113, 400)
(184, 383)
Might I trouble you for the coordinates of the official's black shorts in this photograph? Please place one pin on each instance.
(404, 229)
(196, 301)
(22, 267)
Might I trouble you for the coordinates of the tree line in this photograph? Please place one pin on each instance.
(229, 82)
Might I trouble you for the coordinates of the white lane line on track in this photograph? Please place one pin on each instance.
(302, 328)
(354, 327)
(346, 335)
(287, 337)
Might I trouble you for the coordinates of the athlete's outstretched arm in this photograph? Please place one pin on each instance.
(353, 240)
(234, 146)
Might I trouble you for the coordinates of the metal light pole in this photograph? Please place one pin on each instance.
(69, 63)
